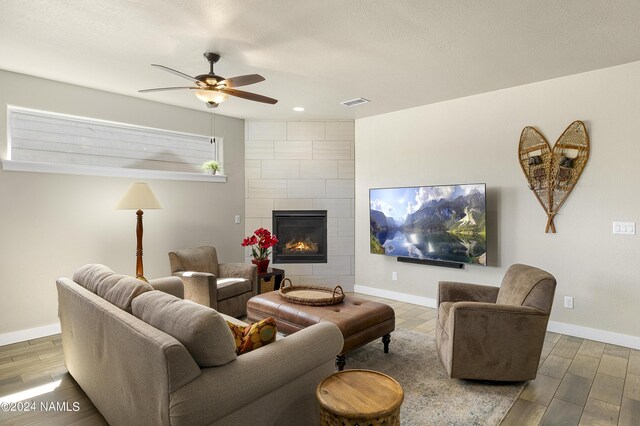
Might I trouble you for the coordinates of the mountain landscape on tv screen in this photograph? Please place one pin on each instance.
(438, 223)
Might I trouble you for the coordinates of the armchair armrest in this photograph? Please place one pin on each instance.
(169, 285)
(224, 389)
(199, 287)
(495, 308)
(449, 291)
(509, 338)
(241, 270)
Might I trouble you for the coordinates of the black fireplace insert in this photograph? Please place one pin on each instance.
(302, 236)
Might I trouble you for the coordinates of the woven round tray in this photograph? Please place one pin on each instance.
(311, 294)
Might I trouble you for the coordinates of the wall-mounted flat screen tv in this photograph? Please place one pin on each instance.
(445, 222)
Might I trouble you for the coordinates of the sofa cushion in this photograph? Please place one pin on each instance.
(116, 289)
(89, 276)
(254, 336)
(199, 328)
(232, 287)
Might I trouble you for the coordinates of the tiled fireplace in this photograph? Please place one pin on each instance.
(304, 165)
(302, 236)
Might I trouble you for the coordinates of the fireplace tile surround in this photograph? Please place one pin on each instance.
(304, 165)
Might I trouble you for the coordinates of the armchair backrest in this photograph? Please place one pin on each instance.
(199, 259)
(525, 285)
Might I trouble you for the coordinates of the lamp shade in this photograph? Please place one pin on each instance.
(138, 197)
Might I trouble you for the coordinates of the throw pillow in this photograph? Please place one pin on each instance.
(253, 336)
(199, 328)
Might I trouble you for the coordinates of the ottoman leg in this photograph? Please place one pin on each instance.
(385, 340)
(341, 360)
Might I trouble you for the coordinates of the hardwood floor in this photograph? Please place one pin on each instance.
(39, 389)
(580, 382)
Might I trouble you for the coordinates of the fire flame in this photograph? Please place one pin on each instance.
(297, 246)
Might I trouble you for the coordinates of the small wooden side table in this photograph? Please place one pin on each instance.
(359, 397)
(278, 275)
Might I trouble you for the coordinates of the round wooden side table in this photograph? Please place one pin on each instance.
(359, 397)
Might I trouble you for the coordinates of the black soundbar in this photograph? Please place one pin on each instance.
(443, 263)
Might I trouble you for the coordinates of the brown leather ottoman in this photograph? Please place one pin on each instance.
(360, 321)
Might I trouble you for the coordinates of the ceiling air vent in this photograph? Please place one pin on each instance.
(354, 102)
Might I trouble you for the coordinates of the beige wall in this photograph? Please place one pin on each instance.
(304, 165)
(50, 224)
(475, 139)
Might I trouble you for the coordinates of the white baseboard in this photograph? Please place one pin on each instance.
(29, 334)
(555, 326)
(394, 295)
(595, 334)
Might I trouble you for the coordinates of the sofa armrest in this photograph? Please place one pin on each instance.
(510, 339)
(200, 287)
(138, 366)
(222, 390)
(241, 270)
(169, 285)
(449, 291)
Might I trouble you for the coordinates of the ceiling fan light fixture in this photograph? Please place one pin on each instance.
(298, 109)
(211, 96)
(213, 89)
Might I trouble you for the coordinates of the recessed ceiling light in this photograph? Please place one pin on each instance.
(298, 109)
(354, 102)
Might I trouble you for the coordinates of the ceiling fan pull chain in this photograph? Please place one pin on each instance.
(212, 125)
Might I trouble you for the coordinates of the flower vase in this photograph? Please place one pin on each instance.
(262, 264)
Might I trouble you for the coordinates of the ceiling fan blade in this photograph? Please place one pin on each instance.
(249, 96)
(242, 80)
(180, 74)
(162, 89)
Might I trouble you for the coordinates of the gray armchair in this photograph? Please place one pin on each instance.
(495, 333)
(225, 287)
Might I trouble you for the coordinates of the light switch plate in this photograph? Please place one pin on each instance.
(237, 219)
(624, 228)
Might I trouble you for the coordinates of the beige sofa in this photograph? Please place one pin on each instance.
(135, 373)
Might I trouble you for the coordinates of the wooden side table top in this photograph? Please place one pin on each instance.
(360, 394)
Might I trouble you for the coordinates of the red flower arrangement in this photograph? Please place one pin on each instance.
(260, 242)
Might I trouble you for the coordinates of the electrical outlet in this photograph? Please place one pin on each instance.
(237, 219)
(394, 276)
(568, 302)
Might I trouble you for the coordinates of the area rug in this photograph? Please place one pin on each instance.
(430, 396)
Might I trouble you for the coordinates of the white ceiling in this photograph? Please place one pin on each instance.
(316, 54)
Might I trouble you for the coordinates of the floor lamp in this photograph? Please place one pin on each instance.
(139, 196)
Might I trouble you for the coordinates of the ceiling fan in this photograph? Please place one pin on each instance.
(212, 88)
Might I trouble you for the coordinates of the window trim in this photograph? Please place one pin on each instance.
(32, 166)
